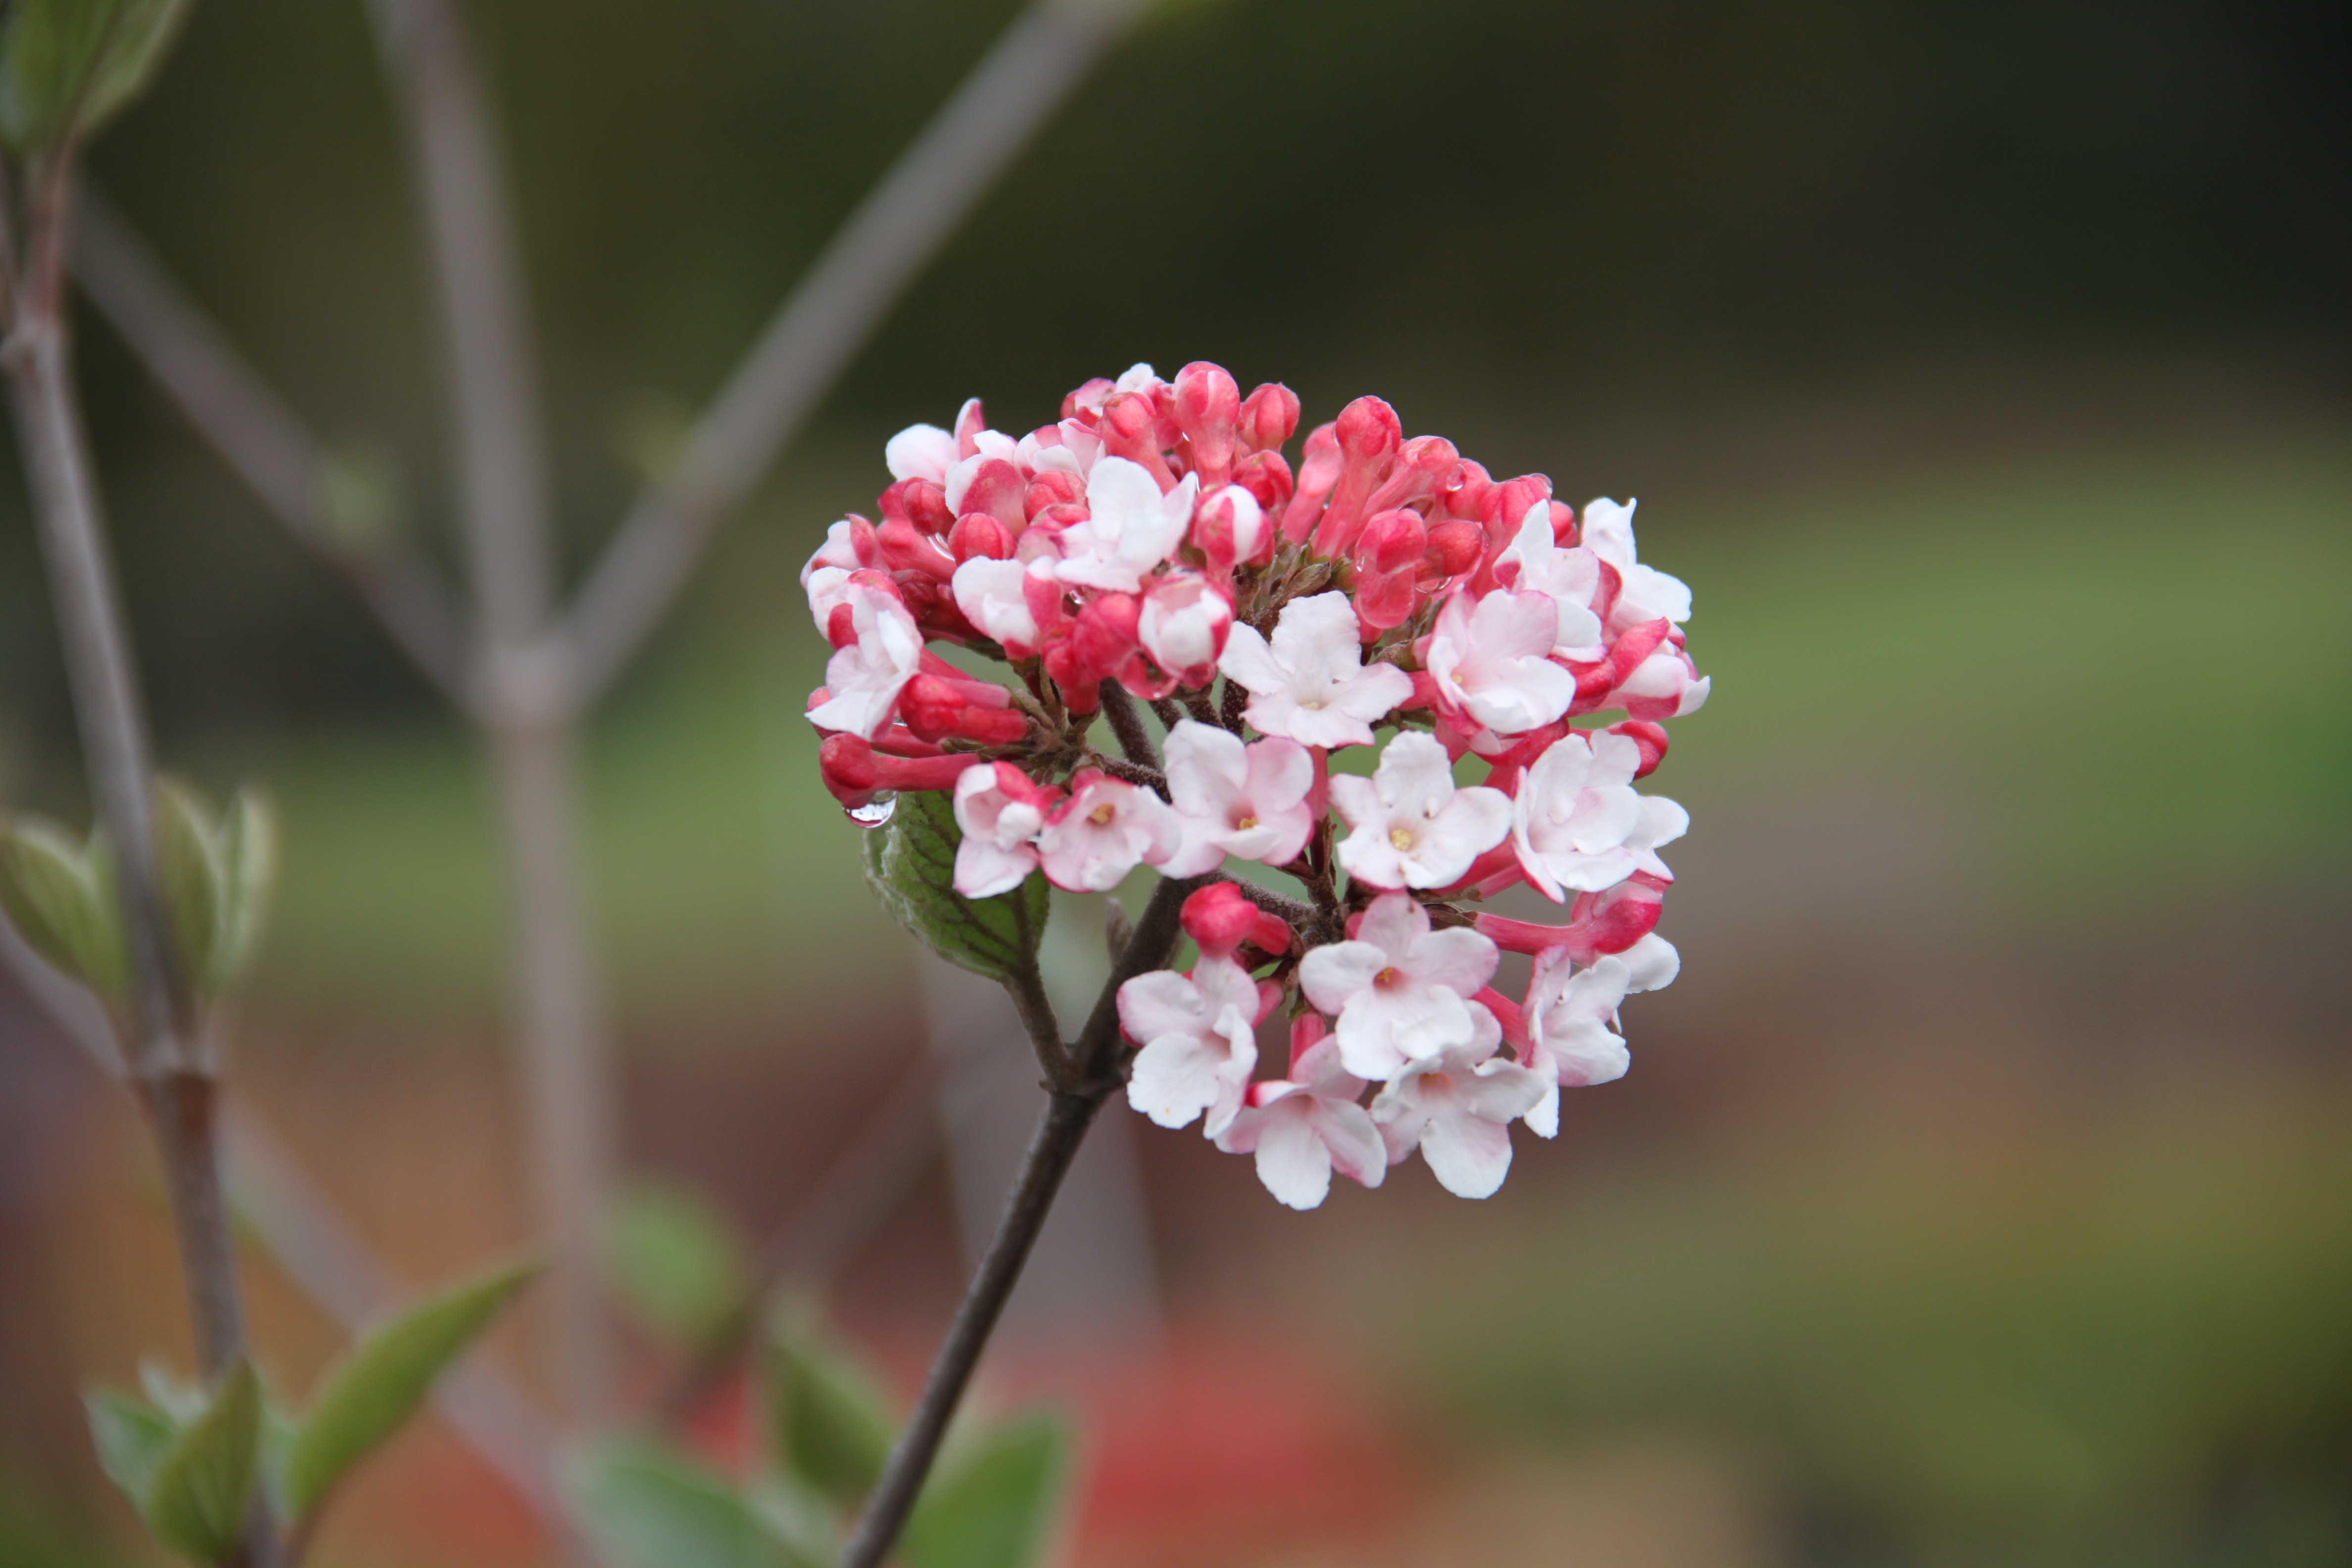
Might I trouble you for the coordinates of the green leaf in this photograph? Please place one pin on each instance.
(58, 896)
(384, 1377)
(910, 866)
(188, 872)
(644, 1505)
(995, 1508)
(829, 1417)
(247, 845)
(66, 65)
(194, 1500)
(131, 1435)
(675, 1262)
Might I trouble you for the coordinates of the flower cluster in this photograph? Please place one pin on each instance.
(1155, 544)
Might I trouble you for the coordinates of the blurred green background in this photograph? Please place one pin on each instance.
(1981, 1193)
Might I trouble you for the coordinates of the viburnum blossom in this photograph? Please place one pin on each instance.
(1400, 990)
(1198, 1034)
(1304, 1127)
(1456, 1108)
(1193, 620)
(1309, 683)
(1411, 827)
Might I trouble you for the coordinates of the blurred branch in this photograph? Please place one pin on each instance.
(259, 436)
(170, 1064)
(885, 242)
(520, 691)
(315, 1246)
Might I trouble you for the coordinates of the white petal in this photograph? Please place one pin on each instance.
(1293, 1162)
(1469, 1156)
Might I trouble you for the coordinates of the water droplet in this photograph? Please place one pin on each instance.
(876, 812)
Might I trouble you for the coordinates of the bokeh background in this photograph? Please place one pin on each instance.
(1981, 1194)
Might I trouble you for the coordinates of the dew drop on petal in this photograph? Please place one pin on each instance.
(876, 812)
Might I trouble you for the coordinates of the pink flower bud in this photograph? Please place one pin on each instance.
(1230, 529)
(1207, 406)
(998, 490)
(1391, 541)
(1182, 626)
(906, 549)
(1426, 466)
(1369, 435)
(1455, 547)
(1651, 738)
(978, 534)
(921, 503)
(1055, 487)
(1220, 918)
(854, 773)
(1266, 476)
(1319, 471)
(1129, 427)
(1268, 416)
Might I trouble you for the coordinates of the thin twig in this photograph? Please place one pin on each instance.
(1069, 1111)
(522, 692)
(259, 436)
(869, 261)
(168, 1062)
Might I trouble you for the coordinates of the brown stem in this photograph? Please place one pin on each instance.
(1127, 723)
(1069, 1111)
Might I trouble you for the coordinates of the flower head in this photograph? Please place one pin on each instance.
(1196, 613)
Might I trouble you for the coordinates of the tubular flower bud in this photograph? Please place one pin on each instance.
(1208, 408)
(1268, 416)
(1387, 593)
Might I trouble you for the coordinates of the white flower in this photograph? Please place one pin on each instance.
(995, 597)
(1570, 1043)
(1103, 831)
(1310, 683)
(863, 678)
(1400, 990)
(1249, 802)
(1578, 824)
(1131, 527)
(1305, 1126)
(1412, 827)
(1571, 577)
(1199, 1038)
(1456, 1108)
(920, 452)
(1492, 660)
(1183, 626)
(1647, 593)
(1000, 813)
